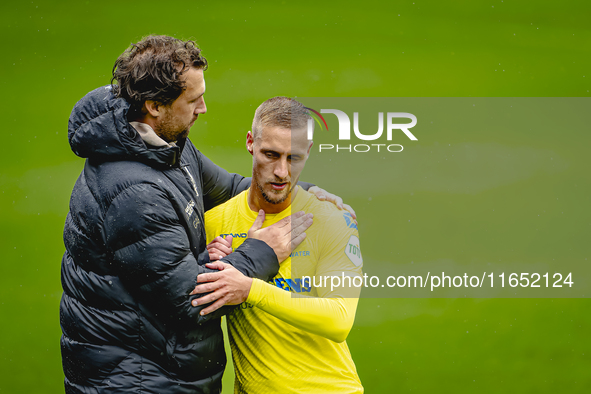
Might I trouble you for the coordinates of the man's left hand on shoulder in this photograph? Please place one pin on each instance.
(323, 195)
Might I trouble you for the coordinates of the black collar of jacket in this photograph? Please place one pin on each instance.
(163, 158)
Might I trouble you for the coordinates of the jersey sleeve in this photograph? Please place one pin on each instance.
(330, 314)
(339, 258)
(331, 318)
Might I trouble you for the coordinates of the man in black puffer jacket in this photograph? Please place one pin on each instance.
(134, 236)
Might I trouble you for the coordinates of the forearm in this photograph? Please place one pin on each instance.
(331, 318)
(255, 259)
(152, 255)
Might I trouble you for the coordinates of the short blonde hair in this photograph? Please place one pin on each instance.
(280, 112)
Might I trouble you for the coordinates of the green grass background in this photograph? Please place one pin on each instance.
(55, 52)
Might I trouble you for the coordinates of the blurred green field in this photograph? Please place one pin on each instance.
(55, 52)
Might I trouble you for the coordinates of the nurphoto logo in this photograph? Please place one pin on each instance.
(345, 130)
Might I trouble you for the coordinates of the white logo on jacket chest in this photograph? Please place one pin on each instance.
(190, 208)
(189, 211)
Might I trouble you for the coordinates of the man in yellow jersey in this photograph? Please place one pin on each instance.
(289, 335)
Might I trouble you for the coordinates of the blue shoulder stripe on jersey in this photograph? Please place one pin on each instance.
(296, 285)
(349, 220)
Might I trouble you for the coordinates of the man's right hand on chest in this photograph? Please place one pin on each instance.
(285, 235)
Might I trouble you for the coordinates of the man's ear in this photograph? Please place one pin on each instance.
(152, 108)
(250, 142)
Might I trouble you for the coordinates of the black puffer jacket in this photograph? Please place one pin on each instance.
(135, 244)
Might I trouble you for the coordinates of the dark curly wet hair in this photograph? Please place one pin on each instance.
(152, 69)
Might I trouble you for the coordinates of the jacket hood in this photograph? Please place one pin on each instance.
(98, 129)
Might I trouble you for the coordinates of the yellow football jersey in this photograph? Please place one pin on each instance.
(286, 343)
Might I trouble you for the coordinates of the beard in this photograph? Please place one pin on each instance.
(171, 131)
(275, 196)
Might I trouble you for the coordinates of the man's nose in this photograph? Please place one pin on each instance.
(201, 108)
(282, 169)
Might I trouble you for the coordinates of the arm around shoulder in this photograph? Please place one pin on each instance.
(218, 184)
(151, 252)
